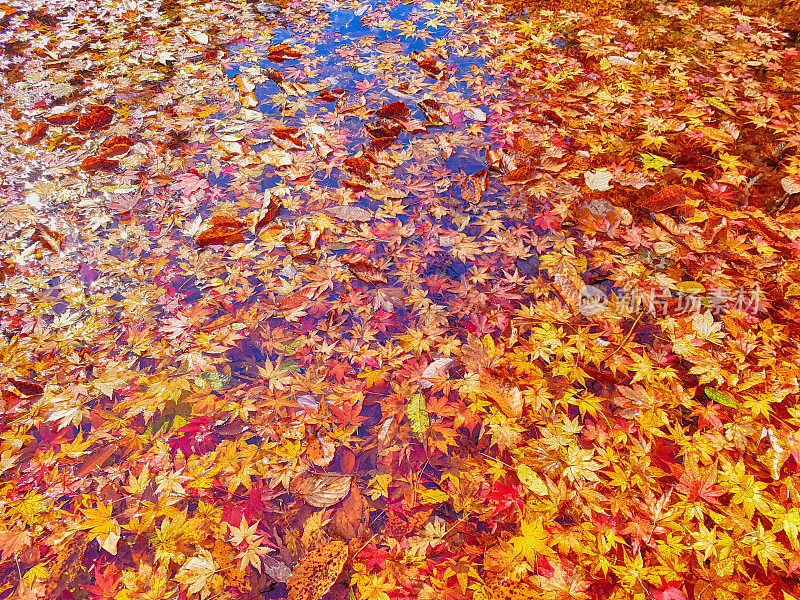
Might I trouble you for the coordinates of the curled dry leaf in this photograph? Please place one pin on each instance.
(269, 210)
(286, 138)
(317, 572)
(384, 128)
(351, 102)
(119, 145)
(27, 387)
(434, 112)
(279, 53)
(244, 84)
(302, 240)
(446, 147)
(48, 238)
(323, 490)
(333, 95)
(363, 268)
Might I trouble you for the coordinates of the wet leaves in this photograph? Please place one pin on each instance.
(505, 307)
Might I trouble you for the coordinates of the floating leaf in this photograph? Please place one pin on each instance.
(349, 212)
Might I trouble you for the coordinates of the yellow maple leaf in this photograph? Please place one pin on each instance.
(533, 541)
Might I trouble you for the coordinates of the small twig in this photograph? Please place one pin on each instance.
(627, 337)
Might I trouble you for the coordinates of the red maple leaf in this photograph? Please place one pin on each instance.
(348, 414)
(107, 582)
(699, 485)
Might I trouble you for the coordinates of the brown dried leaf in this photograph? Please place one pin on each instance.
(36, 133)
(520, 176)
(349, 213)
(434, 112)
(95, 164)
(48, 238)
(396, 111)
(221, 230)
(97, 118)
(323, 490)
(671, 197)
(317, 572)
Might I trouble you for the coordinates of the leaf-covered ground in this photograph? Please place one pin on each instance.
(403, 300)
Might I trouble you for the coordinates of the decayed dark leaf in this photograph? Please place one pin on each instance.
(66, 565)
(97, 118)
(222, 229)
(396, 111)
(360, 167)
(27, 387)
(65, 118)
(317, 572)
(400, 523)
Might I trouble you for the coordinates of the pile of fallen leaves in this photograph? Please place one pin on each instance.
(411, 300)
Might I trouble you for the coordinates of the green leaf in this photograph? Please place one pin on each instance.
(290, 364)
(214, 380)
(418, 415)
(174, 416)
(720, 397)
